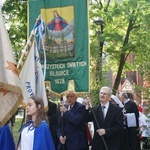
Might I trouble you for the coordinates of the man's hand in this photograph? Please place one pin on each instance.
(87, 102)
(101, 132)
(62, 139)
(63, 109)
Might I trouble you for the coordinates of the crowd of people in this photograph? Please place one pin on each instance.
(119, 124)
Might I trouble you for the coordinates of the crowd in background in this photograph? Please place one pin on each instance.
(119, 123)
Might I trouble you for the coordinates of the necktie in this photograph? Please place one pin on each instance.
(69, 107)
(103, 107)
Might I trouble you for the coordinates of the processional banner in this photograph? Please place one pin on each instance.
(65, 42)
(10, 91)
(31, 74)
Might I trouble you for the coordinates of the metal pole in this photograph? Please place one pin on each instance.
(99, 58)
(27, 45)
(99, 22)
(62, 123)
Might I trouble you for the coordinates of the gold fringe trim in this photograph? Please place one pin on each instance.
(12, 111)
(71, 86)
(10, 87)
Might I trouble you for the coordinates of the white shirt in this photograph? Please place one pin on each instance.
(105, 109)
(27, 138)
(146, 126)
(126, 101)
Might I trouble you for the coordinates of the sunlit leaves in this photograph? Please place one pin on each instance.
(15, 14)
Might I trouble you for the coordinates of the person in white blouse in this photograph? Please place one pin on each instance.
(145, 128)
(35, 133)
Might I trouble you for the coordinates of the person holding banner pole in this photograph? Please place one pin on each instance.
(107, 119)
(71, 132)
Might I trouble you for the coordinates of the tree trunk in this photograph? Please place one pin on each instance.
(123, 57)
(119, 73)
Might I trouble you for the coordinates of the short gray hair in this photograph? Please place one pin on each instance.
(123, 94)
(108, 90)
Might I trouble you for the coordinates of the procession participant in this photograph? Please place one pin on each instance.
(35, 133)
(108, 121)
(71, 132)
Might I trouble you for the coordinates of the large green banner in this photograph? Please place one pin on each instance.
(66, 42)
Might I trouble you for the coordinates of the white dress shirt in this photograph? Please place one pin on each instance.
(105, 109)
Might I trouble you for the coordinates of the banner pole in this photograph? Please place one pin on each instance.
(26, 49)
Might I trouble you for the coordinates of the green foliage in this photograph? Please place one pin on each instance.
(16, 127)
(94, 93)
(15, 15)
(126, 31)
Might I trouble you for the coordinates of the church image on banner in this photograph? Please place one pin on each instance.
(60, 34)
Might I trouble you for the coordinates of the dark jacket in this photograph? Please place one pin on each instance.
(113, 124)
(132, 133)
(52, 117)
(73, 128)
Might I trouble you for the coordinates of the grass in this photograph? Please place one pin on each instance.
(16, 128)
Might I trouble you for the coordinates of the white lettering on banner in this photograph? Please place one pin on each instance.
(60, 81)
(59, 73)
(65, 72)
(29, 89)
(67, 65)
(55, 66)
(76, 64)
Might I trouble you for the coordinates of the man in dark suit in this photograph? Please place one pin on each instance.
(71, 128)
(132, 130)
(52, 117)
(108, 122)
